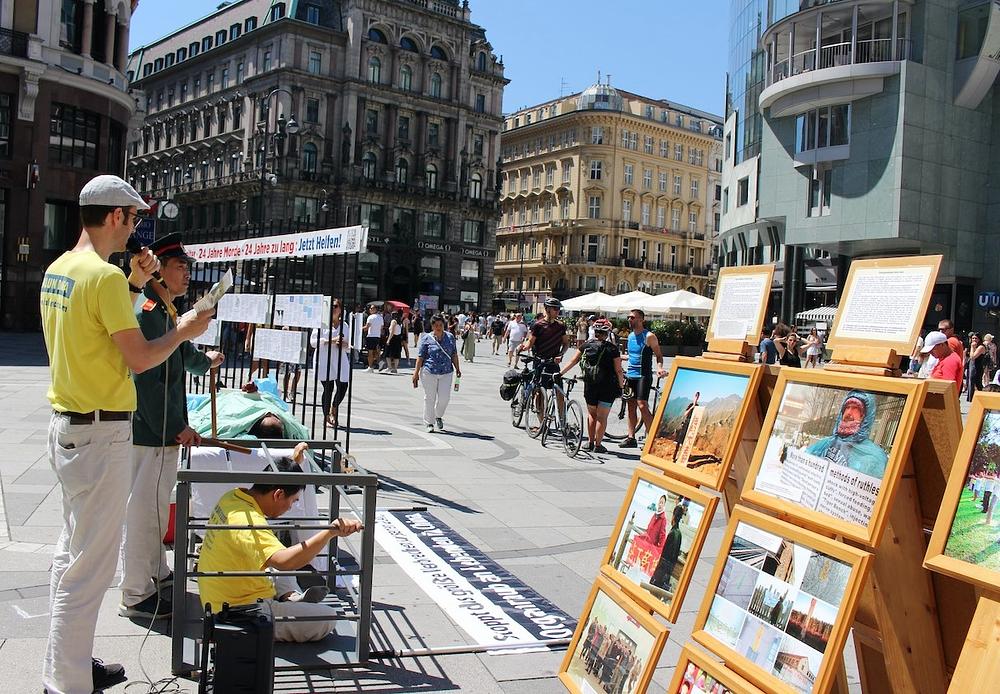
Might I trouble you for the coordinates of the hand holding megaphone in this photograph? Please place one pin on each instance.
(144, 263)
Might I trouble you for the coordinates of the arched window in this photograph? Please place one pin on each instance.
(436, 85)
(438, 53)
(407, 44)
(402, 171)
(406, 78)
(481, 62)
(368, 166)
(374, 70)
(476, 186)
(309, 156)
(376, 36)
(624, 286)
(431, 174)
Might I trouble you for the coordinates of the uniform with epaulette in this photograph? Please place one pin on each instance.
(161, 414)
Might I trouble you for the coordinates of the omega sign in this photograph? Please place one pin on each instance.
(989, 300)
(434, 246)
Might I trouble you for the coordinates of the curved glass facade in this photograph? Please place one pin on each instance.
(747, 65)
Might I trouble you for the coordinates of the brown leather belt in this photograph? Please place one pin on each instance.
(99, 415)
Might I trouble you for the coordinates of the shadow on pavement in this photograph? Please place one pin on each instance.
(23, 349)
(466, 435)
(387, 483)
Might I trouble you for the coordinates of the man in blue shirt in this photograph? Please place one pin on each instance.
(642, 347)
(769, 353)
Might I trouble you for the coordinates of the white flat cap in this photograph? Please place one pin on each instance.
(111, 191)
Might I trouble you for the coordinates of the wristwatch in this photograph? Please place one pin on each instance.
(134, 289)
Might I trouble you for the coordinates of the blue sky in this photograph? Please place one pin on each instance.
(710, 385)
(658, 48)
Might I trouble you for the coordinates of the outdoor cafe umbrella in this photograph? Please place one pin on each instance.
(681, 301)
(586, 302)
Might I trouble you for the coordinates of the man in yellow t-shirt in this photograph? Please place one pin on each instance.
(259, 549)
(93, 340)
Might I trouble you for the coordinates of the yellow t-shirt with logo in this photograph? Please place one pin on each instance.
(84, 301)
(236, 550)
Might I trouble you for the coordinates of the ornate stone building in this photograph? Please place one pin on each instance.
(607, 190)
(64, 115)
(380, 112)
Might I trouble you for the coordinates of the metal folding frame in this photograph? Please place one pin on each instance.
(338, 650)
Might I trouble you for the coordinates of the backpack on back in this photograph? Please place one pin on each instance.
(590, 363)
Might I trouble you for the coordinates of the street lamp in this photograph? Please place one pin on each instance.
(277, 140)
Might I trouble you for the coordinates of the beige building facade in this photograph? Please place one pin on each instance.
(606, 190)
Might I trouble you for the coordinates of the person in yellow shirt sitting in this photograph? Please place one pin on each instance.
(260, 550)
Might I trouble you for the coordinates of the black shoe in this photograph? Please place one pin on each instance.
(589, 446)
(148, 609)
(599, 448)
(106, 674)
(628, 443)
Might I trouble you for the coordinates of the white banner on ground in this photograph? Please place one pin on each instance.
(489, 603)
(299, 310)
(322, 242)
(244, 308)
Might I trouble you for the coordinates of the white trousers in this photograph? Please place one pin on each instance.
(437, 393)
(301, 632)
(143, 556)
(91, 464)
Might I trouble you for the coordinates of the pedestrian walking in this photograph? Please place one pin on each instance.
(582, 330)
(469, 338)
(417, 327)
(406, 334)
(373, 336)
(603, 380)
(93, 341)
(333, 362)
(159, 428)
(814, 349)
(991, 358)
(975, 366)
(497, 327)
(394, 348)
(515, 333)
(437, 364)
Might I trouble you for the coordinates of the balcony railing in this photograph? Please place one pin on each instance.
(14, 43)
(838, 54)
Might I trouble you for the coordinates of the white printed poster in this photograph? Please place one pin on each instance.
(287, 346)
(299, 310)
(209, 338)
(244, 308)
(737, 306)
(884, 303)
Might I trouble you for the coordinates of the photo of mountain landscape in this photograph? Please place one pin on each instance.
(697, 419)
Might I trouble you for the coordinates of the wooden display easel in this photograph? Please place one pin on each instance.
(979, 666)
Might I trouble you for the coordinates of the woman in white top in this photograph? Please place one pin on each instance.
(394, 348)
(814, 349)
(333, 361)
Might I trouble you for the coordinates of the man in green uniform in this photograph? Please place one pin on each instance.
(159, 427)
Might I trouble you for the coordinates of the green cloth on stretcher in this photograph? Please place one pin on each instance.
(238, 411)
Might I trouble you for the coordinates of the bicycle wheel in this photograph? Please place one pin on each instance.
(517, 405)
(534, 413)
(617, 428)
(548, 420)
(573, 428)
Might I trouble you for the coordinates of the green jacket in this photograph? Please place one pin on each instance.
(147, 423)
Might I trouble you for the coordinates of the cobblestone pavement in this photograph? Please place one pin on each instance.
(541, 515)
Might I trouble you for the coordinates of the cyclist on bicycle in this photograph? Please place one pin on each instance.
(548, 341)
(642, 347)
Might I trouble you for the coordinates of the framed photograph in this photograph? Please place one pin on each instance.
(832, 449)
(700, 418)
(965, 543)
(780, 603)
(741, 296)
(697, 673)
(657, 540)
(616, 645)
(884, 303)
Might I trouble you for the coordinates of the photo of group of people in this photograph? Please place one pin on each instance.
(613, 651)
(652, 544)
(696, 420)
(975, 533)
(776, 604)
(829, 448)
